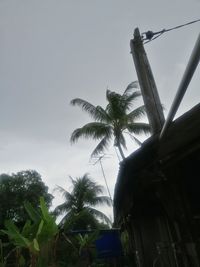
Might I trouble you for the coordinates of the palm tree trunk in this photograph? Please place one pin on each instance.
(33, 260)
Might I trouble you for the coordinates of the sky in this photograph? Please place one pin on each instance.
(52, 51)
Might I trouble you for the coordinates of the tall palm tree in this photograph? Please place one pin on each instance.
(78, 208)
(113, 121)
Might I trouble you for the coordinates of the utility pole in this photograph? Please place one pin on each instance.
(147, 84)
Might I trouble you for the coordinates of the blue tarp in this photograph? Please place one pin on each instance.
(108, 245)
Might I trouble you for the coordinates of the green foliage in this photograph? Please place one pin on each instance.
(117, 118)
(75, 248)
(37, 233)
(17, 188)
(78, 208)
(86, 241)
(14, 234)
(33, 213)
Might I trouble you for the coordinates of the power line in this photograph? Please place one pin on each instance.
(150, 35)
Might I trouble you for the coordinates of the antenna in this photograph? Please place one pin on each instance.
(99, 160)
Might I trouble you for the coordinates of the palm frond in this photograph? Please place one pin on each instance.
(94, 188)
(109, 95)
(96, 112)
(61, 209)
(128, 100)
(65, 193)
(101, 115)
(136, 114)
(130, 87)
(73, 181)
(95, 130)
(139, 128)
(100, 215)
(85, 105)
(103, 144)
(88, 189)
(103, 200)
(68, 219)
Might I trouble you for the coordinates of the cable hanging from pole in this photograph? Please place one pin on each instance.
(150, 35)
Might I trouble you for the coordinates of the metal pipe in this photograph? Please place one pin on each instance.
(187, 76)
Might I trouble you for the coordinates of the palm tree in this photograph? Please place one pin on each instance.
(113, 121)
(78, 208)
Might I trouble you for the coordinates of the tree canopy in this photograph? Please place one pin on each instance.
(79, 206)
(117, 118)
(17, 188)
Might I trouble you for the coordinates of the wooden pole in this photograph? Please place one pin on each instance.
(147, 84)
(189, 71)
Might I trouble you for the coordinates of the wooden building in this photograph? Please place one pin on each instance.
(157, 196)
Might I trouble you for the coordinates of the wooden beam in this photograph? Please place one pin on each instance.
(190, 69)
(147, 84)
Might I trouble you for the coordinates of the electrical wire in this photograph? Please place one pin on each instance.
(150, 35)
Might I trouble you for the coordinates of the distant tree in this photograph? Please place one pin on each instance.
(78, 208)
(17, 188)
(116, 119)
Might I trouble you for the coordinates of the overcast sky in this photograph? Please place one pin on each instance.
(54, 50)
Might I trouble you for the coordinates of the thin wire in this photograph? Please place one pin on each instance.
(183, 25)
(150, 35)
(104, 176)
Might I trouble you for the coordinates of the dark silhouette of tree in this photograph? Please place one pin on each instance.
(15, 189)
(79, 206)
(116, 119)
